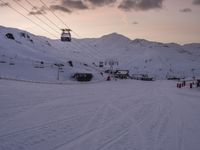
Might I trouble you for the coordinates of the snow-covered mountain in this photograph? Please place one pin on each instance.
(154, 58)
(25, 56)
(139, 55)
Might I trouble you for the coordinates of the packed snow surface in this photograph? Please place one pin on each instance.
(116, 115)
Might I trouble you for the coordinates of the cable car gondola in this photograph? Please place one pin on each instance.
(66, 35)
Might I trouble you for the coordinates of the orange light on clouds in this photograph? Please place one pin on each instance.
(165, 25)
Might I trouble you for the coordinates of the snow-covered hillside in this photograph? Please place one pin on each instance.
(154, 58)
(139, 56)
(32, 58)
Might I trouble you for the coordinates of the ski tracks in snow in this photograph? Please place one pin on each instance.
(144, 116)
(114, 127)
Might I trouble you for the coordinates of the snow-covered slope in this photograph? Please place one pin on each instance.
(123, 115)
(139, 55)
(28, 57)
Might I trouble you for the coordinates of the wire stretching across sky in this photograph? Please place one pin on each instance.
(95, 53)
(30, 21)
(37, 17)
(88, 46)
(74, 46)
(77, 44)
(37, 24)
(44, 16)
(27, 18)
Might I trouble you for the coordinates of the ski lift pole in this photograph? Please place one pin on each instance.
(58, 74)
(111, 70)
(59, 68)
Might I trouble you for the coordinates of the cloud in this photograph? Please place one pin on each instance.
(74, 4)
(196, 2)
(60, 8)
(135, 23)
(186, 10)
(69, 6)
(101, 2)
(4, 4)
(38, 11)
(144, 5)
(127, 5)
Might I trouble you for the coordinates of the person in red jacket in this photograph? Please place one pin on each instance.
(108, 78)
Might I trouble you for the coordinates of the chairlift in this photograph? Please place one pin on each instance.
(66, 35)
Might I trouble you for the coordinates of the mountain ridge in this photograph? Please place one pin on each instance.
(138, 55)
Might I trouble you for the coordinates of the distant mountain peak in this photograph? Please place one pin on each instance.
(115, 35)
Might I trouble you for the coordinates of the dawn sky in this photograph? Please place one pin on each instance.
(155, 20)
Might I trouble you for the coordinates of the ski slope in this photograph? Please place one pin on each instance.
(122, 115)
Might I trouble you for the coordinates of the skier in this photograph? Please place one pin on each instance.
(108, 78)
(191, 85)
(198, 83)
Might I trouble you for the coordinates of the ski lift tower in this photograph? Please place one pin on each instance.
(112, 62)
